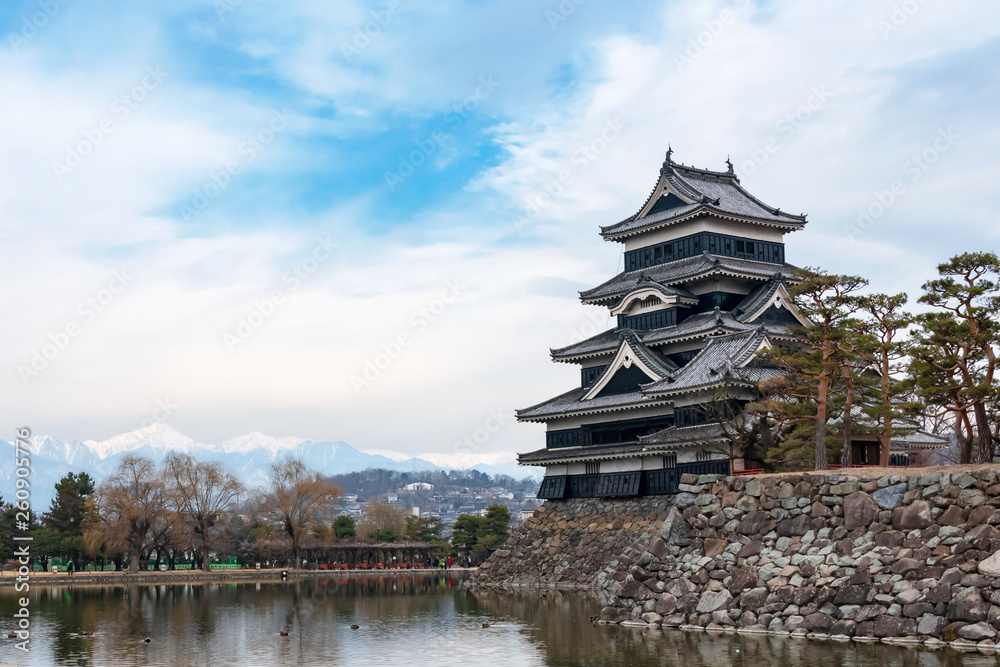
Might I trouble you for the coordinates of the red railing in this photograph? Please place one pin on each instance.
(748, 471)
(839, 466)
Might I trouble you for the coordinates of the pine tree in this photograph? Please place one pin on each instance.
(937, 371)
(814, 364)
(884, 328)
(968, 293)
(67, 512)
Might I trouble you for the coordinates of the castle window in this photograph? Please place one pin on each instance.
(670, 461)
(593, 467)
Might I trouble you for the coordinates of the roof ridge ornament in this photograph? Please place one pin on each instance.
(729, 164)
(667, 161)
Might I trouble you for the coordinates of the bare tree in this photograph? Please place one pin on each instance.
(201, 493)
(382, 522)
(298, 499)
(126, 506)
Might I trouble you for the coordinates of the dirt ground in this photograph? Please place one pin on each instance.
(873, 472)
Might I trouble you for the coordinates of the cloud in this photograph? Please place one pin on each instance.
(819, 107)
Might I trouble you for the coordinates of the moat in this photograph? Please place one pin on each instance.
(403, 619)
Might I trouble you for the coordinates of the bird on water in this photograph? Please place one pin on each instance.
(355, 627)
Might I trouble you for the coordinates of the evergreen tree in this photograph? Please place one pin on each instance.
(66, 514)
(814, 364)
(344, 526)
(884, 327)
(422, 529)
(465, 534)
(937, 373)
(967, 294)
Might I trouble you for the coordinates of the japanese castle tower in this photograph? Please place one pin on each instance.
(703, 292)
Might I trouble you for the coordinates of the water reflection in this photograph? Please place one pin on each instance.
(404, 619)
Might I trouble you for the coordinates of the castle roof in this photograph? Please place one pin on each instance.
(584, 400)
(679, 436)
(573, 403)
(685, 270)
(695, 326)
(725, 359)
(683, 192)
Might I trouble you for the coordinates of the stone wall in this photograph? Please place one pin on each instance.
(581, 543)
(903, 558)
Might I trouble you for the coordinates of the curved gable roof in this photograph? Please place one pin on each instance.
(691, 192)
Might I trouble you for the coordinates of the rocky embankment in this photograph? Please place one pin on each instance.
(900, 558)
(582, 543)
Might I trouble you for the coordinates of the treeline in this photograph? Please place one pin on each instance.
(472, 535)
(178, 512)
(182, 511)
(380, 481)
(868, 365)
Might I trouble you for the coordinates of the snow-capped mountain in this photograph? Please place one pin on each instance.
(248, 456)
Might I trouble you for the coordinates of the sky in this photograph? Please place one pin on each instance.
(345, 220)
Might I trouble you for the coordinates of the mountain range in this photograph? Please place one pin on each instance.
(248, 456)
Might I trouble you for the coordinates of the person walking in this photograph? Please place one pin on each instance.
(446, 567)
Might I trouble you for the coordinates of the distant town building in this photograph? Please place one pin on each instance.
(419, 486)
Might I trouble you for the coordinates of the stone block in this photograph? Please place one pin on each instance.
(951, 517)
(854, 594)
(859, 510)
(665, 604)
(714, 601)
(888, 626)
(796, 527)
(913, 516)
(713, 547)
(968, 605)
(991, 566)
(977, 631)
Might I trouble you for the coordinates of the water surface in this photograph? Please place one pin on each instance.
(419, 619)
